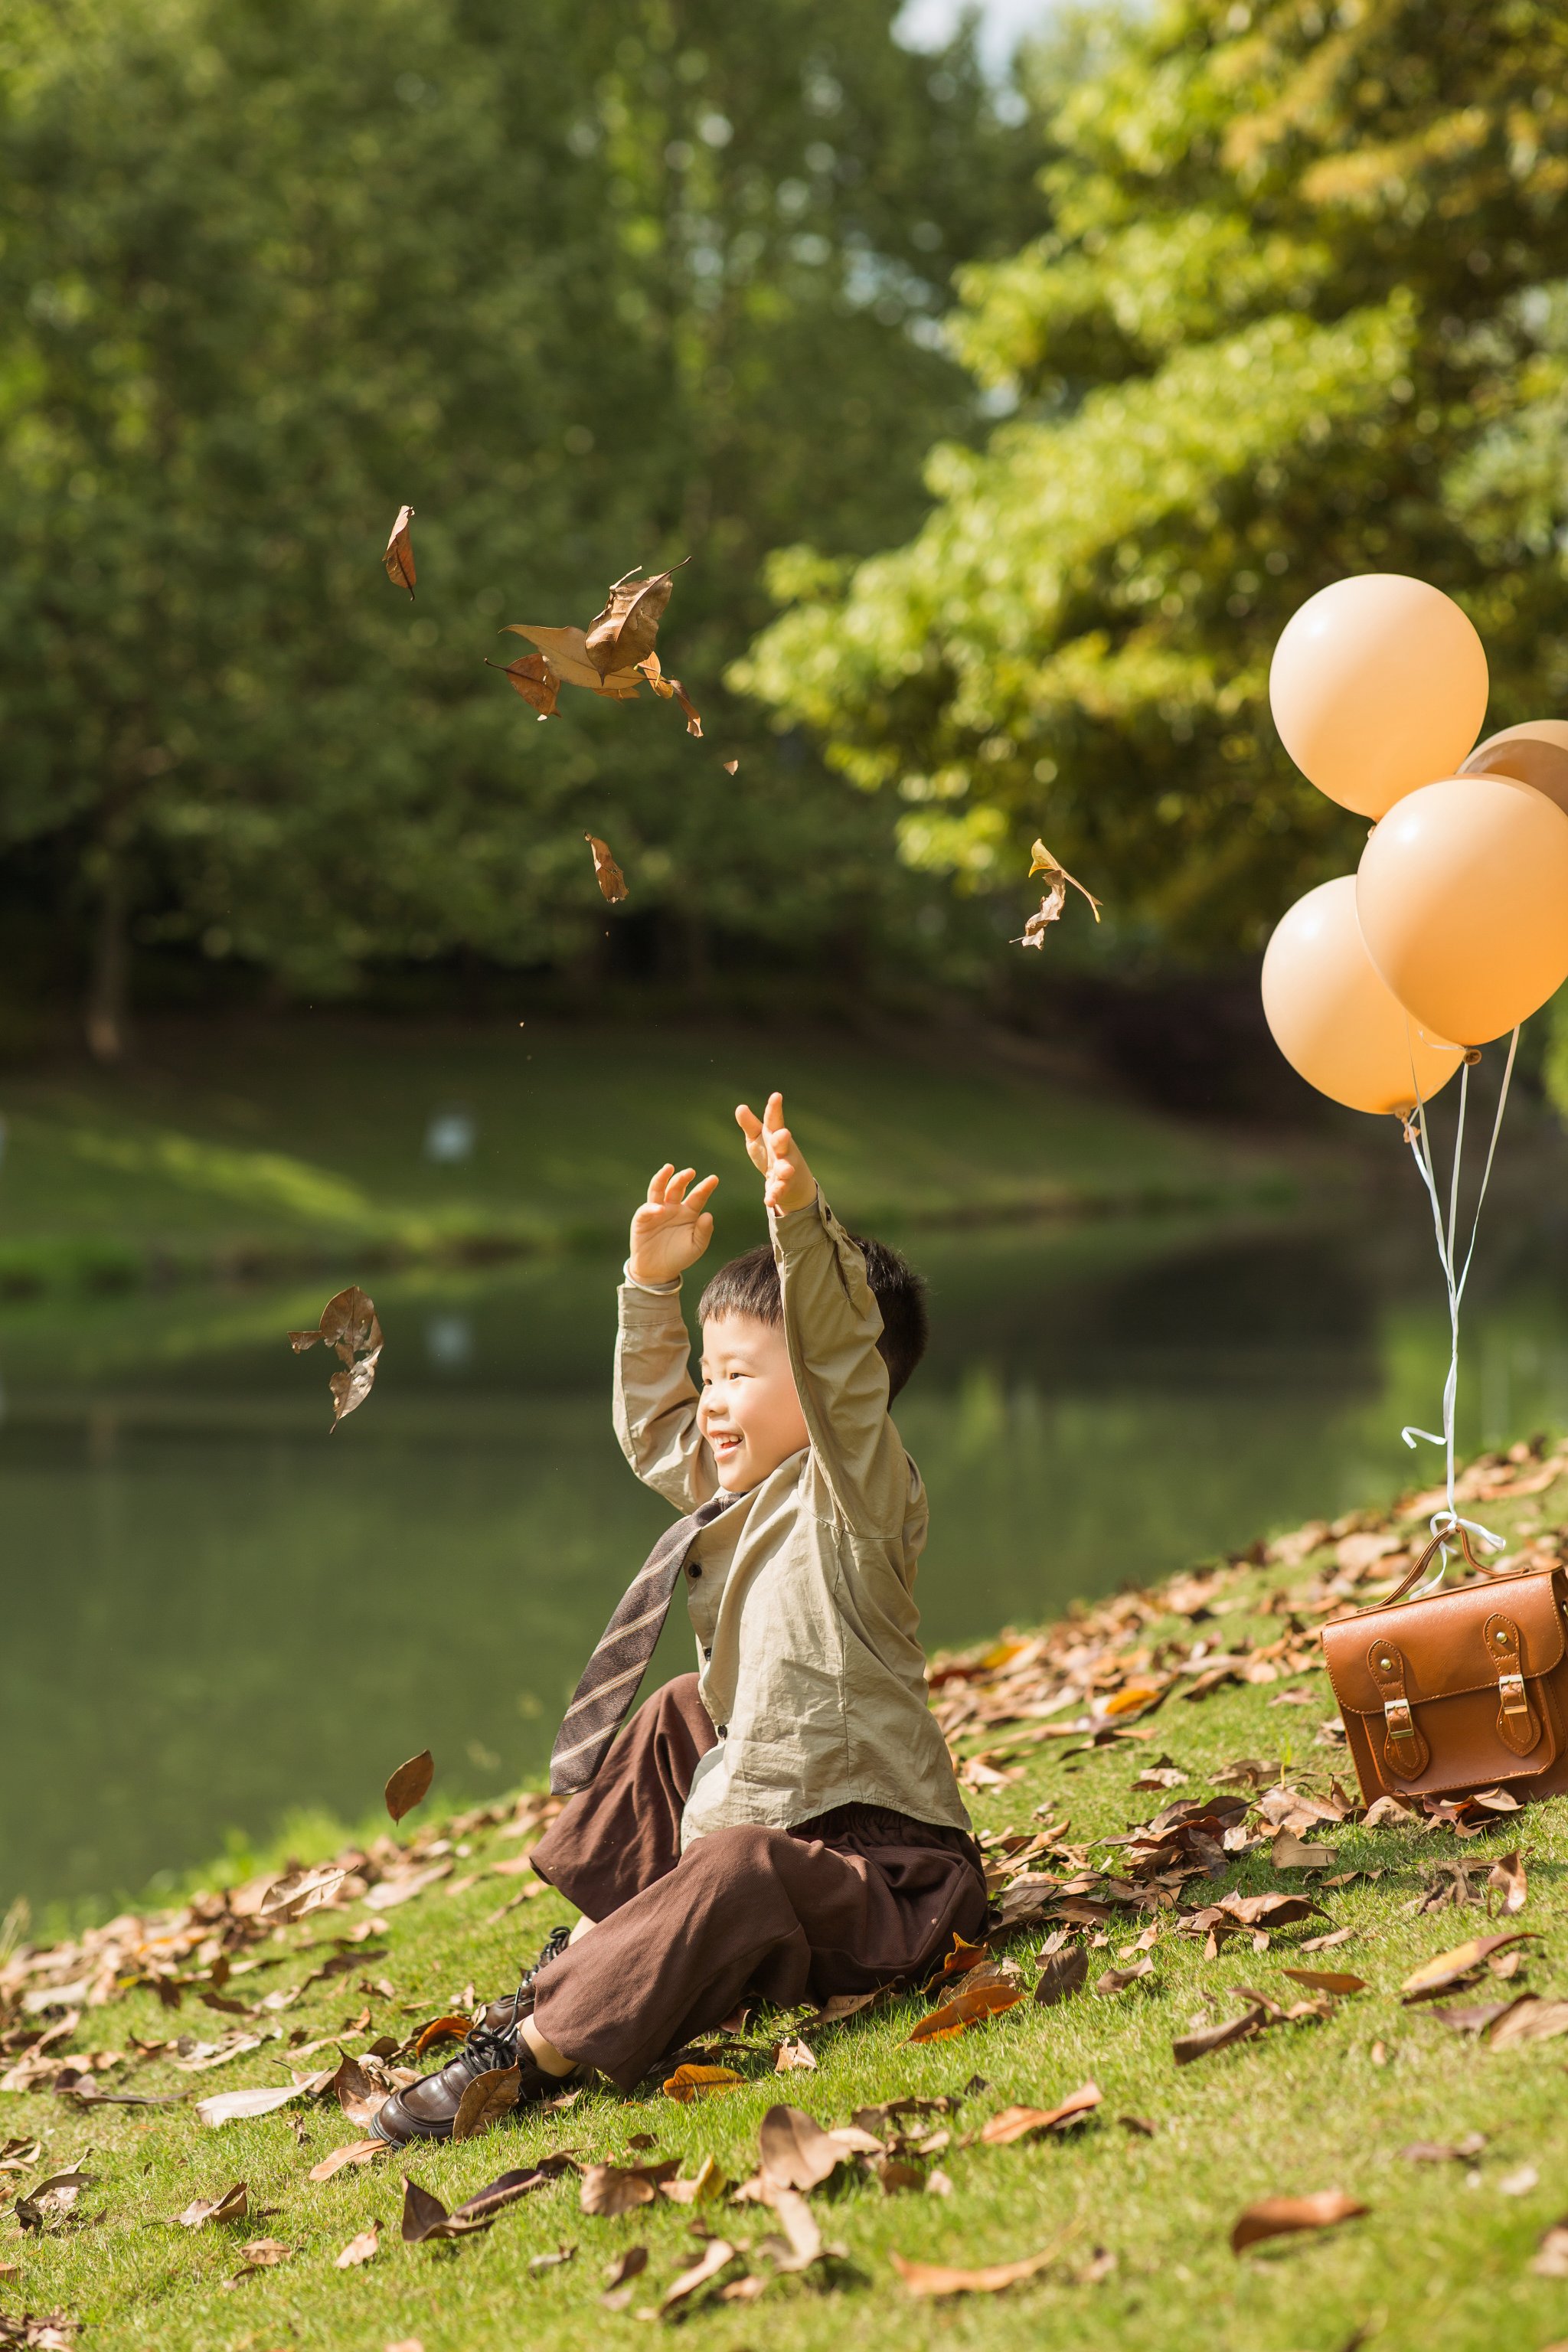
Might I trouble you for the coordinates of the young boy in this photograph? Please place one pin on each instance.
(785, 1823)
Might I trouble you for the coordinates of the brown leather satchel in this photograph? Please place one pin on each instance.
(1460, 1690)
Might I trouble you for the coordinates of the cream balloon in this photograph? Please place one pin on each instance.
(1535, 753)
(1378, 684)
(1334, 1018)
(1462, 894)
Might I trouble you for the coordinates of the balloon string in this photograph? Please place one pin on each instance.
(1447, 1521)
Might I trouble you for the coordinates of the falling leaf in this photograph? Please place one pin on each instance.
(354, 2151)
(621, 2188)
(399, 557)
(299, 1892)
(535, 680)
(351, 1328)
(1051, 904)
(928, 2279)
(1023, 2123)
(1437, 1975)
(232, 2206)
(623, 634)
(689, 2082)
(1206, 2039)
(731, 766)
(1063, 1975)
(612, 882)
(715, 2256)
(1507, 1876)
(666, 688)
(794, 2056)
(986, 1993)
(566, 651)
(1275, 2217)
(235, 2107)
(410, 1784)
(362, 2248)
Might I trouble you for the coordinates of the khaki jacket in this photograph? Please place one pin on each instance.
(800, 1594)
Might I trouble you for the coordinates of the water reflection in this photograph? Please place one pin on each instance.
(216, 1612)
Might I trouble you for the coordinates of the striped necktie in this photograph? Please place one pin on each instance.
(603, 1698)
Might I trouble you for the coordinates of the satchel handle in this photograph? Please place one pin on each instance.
(1460, 1534)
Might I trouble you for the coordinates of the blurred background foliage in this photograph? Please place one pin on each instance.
(1121, 356)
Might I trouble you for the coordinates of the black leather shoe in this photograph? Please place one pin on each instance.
(426, 2108)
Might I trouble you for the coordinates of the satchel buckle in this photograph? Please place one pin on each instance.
(1511, 1690)
(1396, 1716)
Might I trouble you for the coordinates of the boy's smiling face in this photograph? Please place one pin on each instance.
(748, 1411)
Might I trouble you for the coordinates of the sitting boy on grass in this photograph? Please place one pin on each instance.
(784, 1825)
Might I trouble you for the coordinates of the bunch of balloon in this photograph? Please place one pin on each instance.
(1380, 986)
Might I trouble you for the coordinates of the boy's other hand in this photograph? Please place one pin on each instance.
(787, 1182)
(673, 1227)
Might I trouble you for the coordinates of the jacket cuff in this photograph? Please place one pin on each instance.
(655, 1290)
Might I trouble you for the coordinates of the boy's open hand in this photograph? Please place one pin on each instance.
(787, 1182)
(673, 1227)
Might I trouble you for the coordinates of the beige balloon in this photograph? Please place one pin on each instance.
(1462, 894)
(1536, 753)
(1378, 684)
(1334, 1018)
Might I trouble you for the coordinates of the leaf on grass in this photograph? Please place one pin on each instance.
(1275, 2217)
(425, 2217)
(488, 2099)
(1507, 1875)
(1289, 1854)
(1326, 1979)
(625, 2267)
(354, 2151)
(623, 634)
(360, 2098)
(410, 1785)
(792, 2056)
(441, 2029)
(715, 2255)
(554, 2262)
(1063, 1975)
(1206, 2039)
(232, 2206)
(362, 2248)
(796, 2153)
(1270, 1910)
(265, 2254)
(1550, 2259)
(986, 1993)
(612, 882)
(928, 2279)
(236, 2107)
(621, 2188)
(351, 1328)
(1437, 1975)
(1529, 2018)
(1430, 2151)
(534, 679)
(1118, 1979)
(705, 2184)
(398, 561)
(1326, 1943)
(689, 2082)
(1023, 2122)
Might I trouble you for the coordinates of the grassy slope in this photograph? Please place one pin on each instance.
(1440, 2262)
(295, 1144)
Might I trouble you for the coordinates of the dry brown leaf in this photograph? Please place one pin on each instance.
(1063, 1975)
(1205, 2039)
(1427, 2151)
(689, 2082)
(1023, 2122)
(929, 2279)
(352, 1329)
(1118, 1979)
(354, 2151)
(729, 766)
(410, 1785)
(232, 2206)
(791, 2057)
(425, 2217)
(1507, 1875)
(715, 2255)
(1550, 2259)
(986, 1993)
(488, 2099)
(1056, 881)
(534, 678)
(1270, 1910)
(1437, 1975)
(441, 2029)
(1529, 2018)
(398, 561)
(265, 2253)
(612, 882)
(796, 2153)
(362, 2248)
(1326, 1981)
(1289, 1854)
(360, 2097)
(627, 2267)
(1275, 2217)
(623, 634)
(621, 2188)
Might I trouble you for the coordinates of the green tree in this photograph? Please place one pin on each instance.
(589, 284)
(1299, 311)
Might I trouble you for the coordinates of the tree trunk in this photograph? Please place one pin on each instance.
(108, 1006)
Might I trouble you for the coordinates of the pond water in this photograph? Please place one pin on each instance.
(216, 1614)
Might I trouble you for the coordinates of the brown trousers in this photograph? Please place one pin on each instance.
(857, 1898)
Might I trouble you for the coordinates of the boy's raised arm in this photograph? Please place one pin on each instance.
(832, 1325)
(654, 1400)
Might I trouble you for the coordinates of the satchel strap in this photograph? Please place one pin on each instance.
(1460, 1533)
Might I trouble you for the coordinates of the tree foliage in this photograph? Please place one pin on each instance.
(588, 285)
(1301, 310)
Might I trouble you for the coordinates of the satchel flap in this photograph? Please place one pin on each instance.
(1442, 1641)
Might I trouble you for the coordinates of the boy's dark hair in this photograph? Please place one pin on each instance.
(750, 1286)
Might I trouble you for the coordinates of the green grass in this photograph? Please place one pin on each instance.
(1437, 2261)
(301, 1144)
